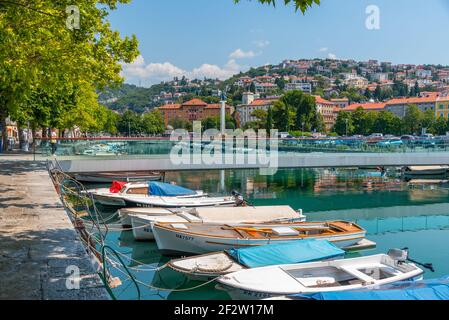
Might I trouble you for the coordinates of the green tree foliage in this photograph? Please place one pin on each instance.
(130, 123)
(412, 122)
(215, 123)
(40, 55)
(302, 5)
(344, 123)
(153, 122)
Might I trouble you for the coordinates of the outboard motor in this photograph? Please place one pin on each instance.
(398, 255)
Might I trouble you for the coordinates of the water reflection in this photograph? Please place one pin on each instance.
(396, 213)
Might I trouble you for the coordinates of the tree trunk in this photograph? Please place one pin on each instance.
(20, 132)
(33, 133)
(4, 131)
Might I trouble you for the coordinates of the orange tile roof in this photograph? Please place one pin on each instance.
(170, 106)
(195, 102)
(262, 102)
(414, 100)
(366, 106)
(320, 100)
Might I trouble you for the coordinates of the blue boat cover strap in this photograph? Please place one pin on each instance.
(167, 190)
(435, 289)
(286, 253)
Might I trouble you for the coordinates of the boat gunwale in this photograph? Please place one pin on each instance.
(299, 237)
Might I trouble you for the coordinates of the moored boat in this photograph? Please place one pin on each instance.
(425, 170)
(308, 278)
(142, 224)
(194, 238)
(157, 194)
(210, 266)
(432, 289)
(109, 177)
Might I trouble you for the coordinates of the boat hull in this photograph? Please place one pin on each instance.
(245, 294)
(179, 243)
(131, 203)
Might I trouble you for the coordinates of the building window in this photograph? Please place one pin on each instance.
(441, 115)
(441, 106)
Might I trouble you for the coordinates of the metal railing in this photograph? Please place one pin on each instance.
(139, 147)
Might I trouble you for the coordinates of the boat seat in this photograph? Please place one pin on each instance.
(363, 277)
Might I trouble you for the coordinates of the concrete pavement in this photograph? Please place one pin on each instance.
(37, 240)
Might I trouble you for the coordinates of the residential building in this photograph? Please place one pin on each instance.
(379, 76)
(245, 111)
(264, 87)
(442, 107)
(326, 109)
(370, 106)
(341, 103)
(305, 87)
(248, 97)
(193, 110)
(423, 73)
(356, 82)
(400, 106)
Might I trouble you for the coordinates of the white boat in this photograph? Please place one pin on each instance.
(125, 219)
(425, 170)
(210, 266)
(157, 194)
(142, 224)
(308, 278)
(197, 238)
(109, 177)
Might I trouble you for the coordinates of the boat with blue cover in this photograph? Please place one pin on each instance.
(210, 266)
(432, 289)
(155, 194)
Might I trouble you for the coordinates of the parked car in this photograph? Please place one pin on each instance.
(407, 138)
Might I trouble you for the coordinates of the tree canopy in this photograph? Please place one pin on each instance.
(302, 5)
(42, 57)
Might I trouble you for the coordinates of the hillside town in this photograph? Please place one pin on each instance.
(337, 86)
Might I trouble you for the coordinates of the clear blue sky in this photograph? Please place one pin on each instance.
(198, 37)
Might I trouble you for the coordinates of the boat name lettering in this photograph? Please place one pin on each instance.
(183, 237)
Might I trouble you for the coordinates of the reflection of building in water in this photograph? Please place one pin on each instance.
(424, 194)
(329, 180)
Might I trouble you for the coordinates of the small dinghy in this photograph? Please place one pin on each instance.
(109, 177)
(315, 277)
(142, 224)
(157, 194)
(210, 266)
(196, 238)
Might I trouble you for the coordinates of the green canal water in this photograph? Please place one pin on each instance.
(395, 213)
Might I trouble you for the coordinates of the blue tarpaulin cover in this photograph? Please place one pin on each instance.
(167, 190)
(286, 253)
(435, 289)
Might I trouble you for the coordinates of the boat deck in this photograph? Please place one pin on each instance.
(265, 231)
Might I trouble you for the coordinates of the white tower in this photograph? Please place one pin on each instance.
(223, 113)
